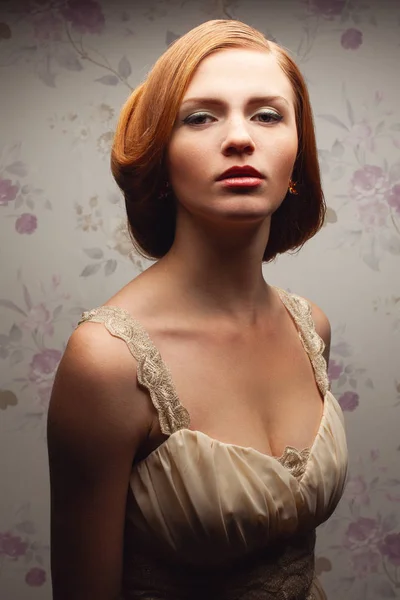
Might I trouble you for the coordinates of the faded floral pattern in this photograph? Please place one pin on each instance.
(394, 198)
(86, 16)
(35, 577)
(390, 548)
(370, 537)
(327, 8)
(21, 548)
(349, 401)
(67, 68)
(39, 319)
(12, 546)
(369, 198)
(8, 191)
(345, 376)
(26, 223)
(42, 370)
(351, 39)
(370, 183)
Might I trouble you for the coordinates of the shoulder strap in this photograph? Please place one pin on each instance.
(152, 372)
(314, 345)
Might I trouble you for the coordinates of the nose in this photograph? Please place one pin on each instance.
(238, 139)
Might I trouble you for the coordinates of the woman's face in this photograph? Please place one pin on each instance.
(238, 110)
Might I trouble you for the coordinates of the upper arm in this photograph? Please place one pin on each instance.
(323, 328)
(96, 422)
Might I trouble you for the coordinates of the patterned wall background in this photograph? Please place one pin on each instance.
(66, 67)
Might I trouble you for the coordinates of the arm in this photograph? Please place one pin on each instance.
(96, 422)
(322, 327)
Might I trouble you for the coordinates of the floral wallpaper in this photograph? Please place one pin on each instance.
(66, 68)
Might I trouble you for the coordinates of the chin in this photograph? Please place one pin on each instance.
(248, 208)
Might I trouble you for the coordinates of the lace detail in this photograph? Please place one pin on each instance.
(152, 373)
(294, 460)
(300, 310)
(284, 572)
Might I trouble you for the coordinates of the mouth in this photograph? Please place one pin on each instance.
(241, 182)
(240, 174)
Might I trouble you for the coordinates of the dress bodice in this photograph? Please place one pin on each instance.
(226, 520)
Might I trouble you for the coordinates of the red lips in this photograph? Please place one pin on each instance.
(244, 171)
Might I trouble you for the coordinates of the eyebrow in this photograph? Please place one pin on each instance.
(219, 102)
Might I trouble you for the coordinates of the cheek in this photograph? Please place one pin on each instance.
(186, 162)
(280, 160)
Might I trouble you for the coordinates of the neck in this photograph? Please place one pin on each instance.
(220, 271)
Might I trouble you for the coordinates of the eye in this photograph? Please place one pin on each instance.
(269, 116)
(197, 119)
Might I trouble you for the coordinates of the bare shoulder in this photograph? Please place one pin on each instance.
(97, 420)
(322, 326)
(96, 383)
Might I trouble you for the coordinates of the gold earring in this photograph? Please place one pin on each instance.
(292, 187)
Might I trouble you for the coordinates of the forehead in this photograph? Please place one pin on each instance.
(240, 73)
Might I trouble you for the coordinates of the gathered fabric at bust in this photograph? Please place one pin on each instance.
(215, 521)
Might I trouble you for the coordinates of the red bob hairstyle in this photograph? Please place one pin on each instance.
(146, 123)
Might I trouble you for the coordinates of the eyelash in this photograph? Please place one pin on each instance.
(191, 118)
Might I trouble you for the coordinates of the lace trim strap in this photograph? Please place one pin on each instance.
(314, 345)
(152, 372)
(154, 375)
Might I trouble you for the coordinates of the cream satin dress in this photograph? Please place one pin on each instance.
(207, 520)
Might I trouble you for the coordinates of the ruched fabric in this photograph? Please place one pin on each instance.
(207, 520)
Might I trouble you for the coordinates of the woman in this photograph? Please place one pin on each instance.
(204, 479)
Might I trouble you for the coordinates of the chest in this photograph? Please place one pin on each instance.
(250, 390)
